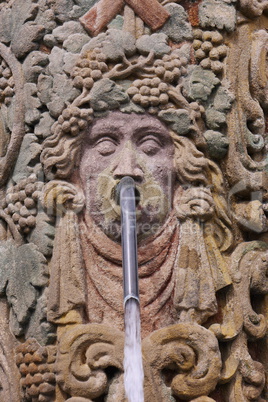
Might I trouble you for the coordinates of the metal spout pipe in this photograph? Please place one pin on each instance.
(125, 195)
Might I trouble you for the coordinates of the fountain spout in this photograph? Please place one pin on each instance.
(126, 197)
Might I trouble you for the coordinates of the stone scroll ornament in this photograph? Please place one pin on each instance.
(175, 95)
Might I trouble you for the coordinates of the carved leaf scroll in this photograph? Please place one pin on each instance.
(190, 354)
(84, 354)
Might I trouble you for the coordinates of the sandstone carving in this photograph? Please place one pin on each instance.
(173, 94)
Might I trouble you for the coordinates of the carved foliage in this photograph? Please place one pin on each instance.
(181, 360)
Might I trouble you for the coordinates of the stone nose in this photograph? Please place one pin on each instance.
(128, 164)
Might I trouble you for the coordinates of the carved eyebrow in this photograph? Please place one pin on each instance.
(152, 136)
(103, 131)
(154, 131)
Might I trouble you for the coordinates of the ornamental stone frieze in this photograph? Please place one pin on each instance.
(175, 95)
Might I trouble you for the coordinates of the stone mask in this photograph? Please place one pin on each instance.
(132, 145)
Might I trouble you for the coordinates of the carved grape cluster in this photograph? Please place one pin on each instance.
(35, 364)
(73, 120)
(6, 83)
(209, 49)
(90, 68)
(149, 92)
(21, 203)
(171, 67)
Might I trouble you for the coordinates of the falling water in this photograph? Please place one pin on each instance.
(133, 377)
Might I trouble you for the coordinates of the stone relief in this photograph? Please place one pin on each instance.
(174, 95)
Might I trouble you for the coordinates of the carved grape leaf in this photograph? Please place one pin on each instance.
(177, 28)
(18, 28)
(114, 43)
(23, 272)
(200, 84)
(218, 14)
(217, 108)
(105, 94)
(217, 144)
(178, 120)
(156, 43)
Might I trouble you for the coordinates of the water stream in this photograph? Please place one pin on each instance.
(133, 369)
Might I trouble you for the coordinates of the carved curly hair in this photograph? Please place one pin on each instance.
(62, 150)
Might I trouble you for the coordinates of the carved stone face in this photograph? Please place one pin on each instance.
(133, 145)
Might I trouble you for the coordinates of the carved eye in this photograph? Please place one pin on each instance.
(150, 145)
(106, 146)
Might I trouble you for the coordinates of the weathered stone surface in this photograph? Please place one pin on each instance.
(19, 28)
(100, 15)
(36, 363)
(50, 40)
(5, 31)
(182, 111)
